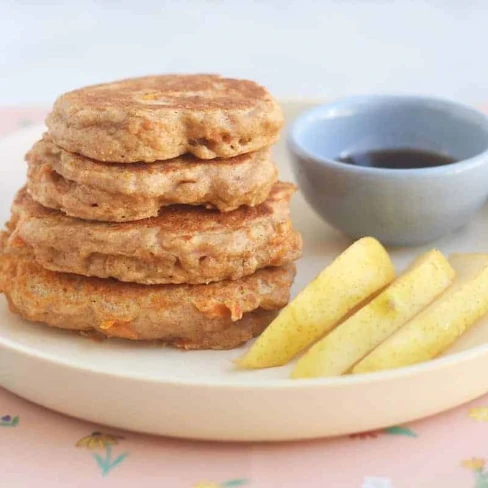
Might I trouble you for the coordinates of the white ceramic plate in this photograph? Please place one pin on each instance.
(199, 394)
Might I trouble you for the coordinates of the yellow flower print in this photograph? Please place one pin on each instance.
(97, 440)
(480, 414)
(475, 464)
(206, 484)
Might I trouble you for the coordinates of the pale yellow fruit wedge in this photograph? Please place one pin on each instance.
(438, 326)
(411, 292)
(360, 271)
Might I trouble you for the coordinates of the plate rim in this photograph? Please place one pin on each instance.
(271, 383)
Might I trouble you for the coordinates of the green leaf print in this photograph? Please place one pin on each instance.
(481, 479)
(397, 430)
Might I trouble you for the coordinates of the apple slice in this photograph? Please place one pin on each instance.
(437, 327)
(359, 272)
(427, 277)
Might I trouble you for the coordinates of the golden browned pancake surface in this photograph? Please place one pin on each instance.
(162, 117)
(216, 316)
(182, 245)
(87, 189)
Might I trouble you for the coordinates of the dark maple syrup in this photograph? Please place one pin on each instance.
(397, 159)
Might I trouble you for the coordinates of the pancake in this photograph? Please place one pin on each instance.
(182, 245)
(162, 117)
(217, 316)
(84, 188)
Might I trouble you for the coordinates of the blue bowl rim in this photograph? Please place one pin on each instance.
(307, 118)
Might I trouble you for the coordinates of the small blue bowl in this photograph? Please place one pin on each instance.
(398, 206)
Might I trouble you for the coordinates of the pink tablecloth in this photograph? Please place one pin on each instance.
(42, 448)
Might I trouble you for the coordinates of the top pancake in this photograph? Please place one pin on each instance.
(162, 117)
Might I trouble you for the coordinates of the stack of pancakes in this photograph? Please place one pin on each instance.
(152, 211)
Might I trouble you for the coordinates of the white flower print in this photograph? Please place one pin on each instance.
(376, 482)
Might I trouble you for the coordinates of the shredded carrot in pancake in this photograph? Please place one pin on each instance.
(113, 328)
(221, 310)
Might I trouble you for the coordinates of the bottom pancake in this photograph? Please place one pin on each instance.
(220, 315)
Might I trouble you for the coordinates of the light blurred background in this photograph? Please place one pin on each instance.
(297, 48)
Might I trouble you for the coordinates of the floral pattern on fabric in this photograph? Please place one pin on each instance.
(225, 484)
(477, 465)
(97, 441)
(480, 414)
(9, 421)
